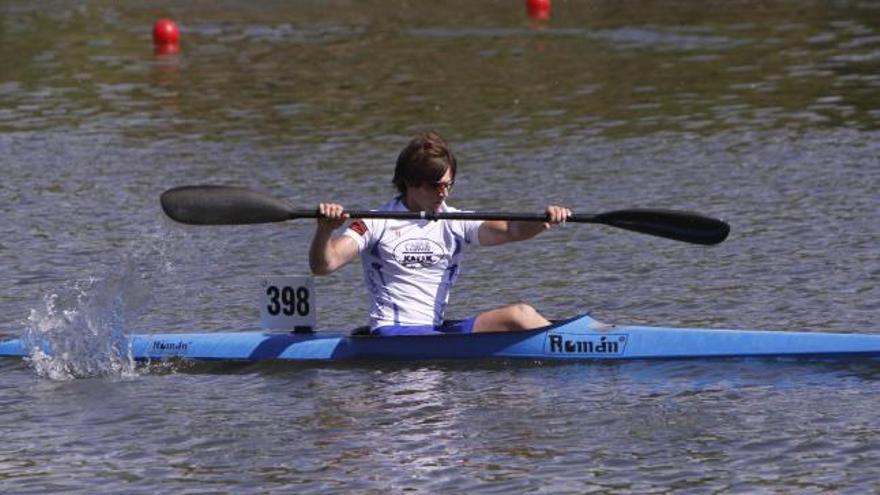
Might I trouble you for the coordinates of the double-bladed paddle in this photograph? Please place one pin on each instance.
(226, 205)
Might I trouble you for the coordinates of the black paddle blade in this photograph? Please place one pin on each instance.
(222, 205)
(677, 225)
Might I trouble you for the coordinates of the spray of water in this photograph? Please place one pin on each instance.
(79, 331)
(83, 329)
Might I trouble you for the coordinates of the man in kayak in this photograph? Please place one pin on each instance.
(411, 265)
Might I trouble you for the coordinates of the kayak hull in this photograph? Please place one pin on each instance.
(581, 338)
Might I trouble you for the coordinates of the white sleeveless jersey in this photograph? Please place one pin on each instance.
(410, 265)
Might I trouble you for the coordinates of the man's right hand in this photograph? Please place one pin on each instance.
(333, 216)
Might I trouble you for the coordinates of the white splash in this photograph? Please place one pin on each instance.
(80, 331)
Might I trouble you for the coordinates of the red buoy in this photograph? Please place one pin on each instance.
(538, 10)
(166, 36)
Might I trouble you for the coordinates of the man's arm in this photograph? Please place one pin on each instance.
(327, 253)
(495, 232)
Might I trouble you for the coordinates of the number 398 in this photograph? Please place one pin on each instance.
(288, 300)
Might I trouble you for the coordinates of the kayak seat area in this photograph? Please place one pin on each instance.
(362, 331)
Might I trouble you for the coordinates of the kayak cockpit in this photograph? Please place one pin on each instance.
(365, 331)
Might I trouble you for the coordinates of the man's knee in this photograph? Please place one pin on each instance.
(523, 316)
(522, 311)
(517, 316)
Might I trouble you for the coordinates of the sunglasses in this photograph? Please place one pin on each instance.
(442, 185)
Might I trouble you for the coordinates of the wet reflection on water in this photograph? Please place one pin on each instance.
(304, 73)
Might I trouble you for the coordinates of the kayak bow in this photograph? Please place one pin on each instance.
(580, 338)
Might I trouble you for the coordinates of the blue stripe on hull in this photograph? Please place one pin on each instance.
(578, 339)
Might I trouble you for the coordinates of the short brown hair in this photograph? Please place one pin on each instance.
(425, 159)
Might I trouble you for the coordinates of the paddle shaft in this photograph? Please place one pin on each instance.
(225, 205)
(458, 215)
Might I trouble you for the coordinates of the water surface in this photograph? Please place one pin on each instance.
(762, 114)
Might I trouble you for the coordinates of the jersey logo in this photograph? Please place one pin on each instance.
(359, 226)
(418, 253)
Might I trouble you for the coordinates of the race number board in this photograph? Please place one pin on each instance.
(287, 303)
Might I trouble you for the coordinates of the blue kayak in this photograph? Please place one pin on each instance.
(580, 338)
